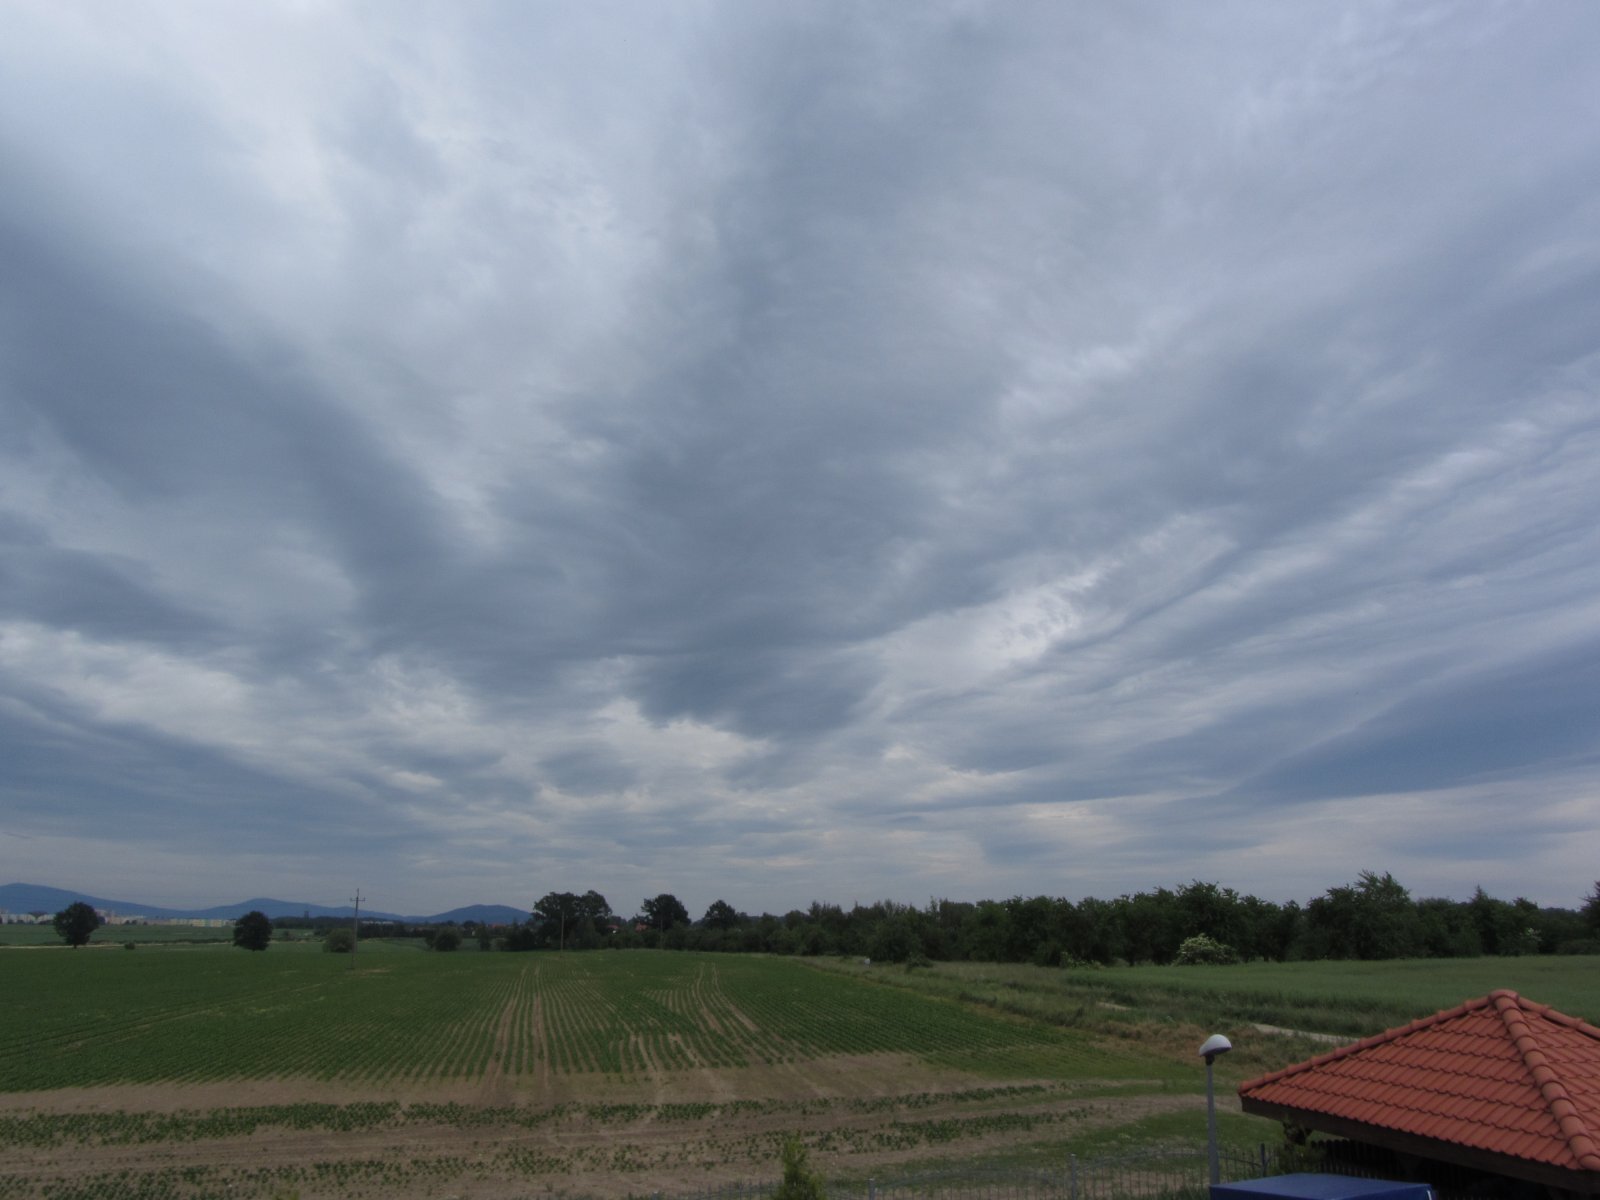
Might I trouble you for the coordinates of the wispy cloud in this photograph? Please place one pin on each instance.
(776, 454)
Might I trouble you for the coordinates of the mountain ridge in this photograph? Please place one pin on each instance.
(35, 897)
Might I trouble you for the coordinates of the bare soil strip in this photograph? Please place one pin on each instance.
(493, 1089)
(888, 1125)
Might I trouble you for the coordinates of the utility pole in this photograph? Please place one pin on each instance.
(355, 928)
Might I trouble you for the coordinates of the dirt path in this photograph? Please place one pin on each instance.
(1331, 1039)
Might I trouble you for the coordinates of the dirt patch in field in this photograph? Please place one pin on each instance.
(661, 1132)
(823, 1078)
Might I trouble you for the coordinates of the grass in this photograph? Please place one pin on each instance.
(1352, 997)
(1169, 1010)
(112, 937)
(108, 936)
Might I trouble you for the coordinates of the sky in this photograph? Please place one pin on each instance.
(780, 452)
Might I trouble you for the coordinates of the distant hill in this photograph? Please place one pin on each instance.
(33, 897)
(483, 914)
(289, 908)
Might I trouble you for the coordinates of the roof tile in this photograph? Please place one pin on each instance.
(1500, 1073)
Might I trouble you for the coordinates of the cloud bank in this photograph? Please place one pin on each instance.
(469, 451)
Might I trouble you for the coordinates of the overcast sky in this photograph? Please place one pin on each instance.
(781, 451)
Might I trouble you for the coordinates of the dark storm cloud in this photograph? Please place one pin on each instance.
(973, 449)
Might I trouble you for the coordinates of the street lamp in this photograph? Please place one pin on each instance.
(1214, 1045)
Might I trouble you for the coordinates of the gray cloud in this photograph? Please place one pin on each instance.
(787, 453)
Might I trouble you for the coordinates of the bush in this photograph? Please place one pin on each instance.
(339, 941)
(446, 939)
(1047, 954)
(800, 1182)
(1201, 950)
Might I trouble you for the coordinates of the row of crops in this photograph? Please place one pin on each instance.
(71, 1019)
(37, 1129)
(388, 1148)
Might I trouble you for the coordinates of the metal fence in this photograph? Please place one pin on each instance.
(1179, 1173)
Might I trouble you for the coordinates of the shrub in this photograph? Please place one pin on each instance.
(446, 939)
(1201, 950)
(800, 1182)
(339, 941)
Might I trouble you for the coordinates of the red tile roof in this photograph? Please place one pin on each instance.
(1498, 1075)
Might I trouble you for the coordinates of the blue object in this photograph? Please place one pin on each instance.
(1320, 1187)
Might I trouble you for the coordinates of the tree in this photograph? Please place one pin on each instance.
(340, 940)
(446, 940)
(1591, 908)
(721, 915)
(554, 916)
(76, 922)
(252, 931)
(592, 906)
(664, 912)
(1375, 918)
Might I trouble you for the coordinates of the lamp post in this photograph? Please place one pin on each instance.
(1214, 1045)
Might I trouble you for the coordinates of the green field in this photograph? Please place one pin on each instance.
(116, 935)
(1348, 998)
(187, 1070)
(78, 1019)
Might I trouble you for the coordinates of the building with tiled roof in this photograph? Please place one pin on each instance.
(1498, 1085)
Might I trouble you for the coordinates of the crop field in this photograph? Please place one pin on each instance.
(195, 1071)
(192, 1070)
(412, 1021)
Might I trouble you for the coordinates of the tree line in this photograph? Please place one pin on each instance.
(1374, 917)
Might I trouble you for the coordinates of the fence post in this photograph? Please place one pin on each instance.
(1263, 1160)
(1072, 1177)
(872, 1190)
